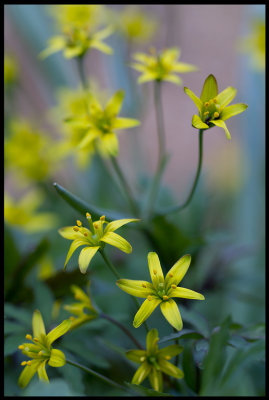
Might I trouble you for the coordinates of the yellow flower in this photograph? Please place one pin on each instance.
(94, 239)
(22, 212)
(160, 291)
(10, 70)
(254, 44)
(40, 350)
(135, 24)
(83, 310)
(154, 362)
(161, 67)
(79, 24)
(101, 124)
(212, 106)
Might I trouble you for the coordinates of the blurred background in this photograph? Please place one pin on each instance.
(223, 227)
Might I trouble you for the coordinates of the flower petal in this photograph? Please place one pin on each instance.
(226, 96)
(184, 67)
(198, 123)
(144, 58)
(210, 89)
(57, 358)
(114, 225)
(221, 124)
(147, 76)
(97, 44)
(108, 144)
(68, 232)
(55, 44)
(85, 257)
(178, 271)
(60, 330)
(28, 372)
(74, 245)
(114, 104)
(123, 123)
(170, 351)
(171, 312)
(116, 240)
(141, 373)
(136, 288)
(186, 294)
(156, 379)
(171, 369)
(152, 340)
(194, 98)
(136, 355)
(173, 78)
(41, 370)
(230, 111)
(155, 269)
(38, 324)
(145, 310)
(169, 56)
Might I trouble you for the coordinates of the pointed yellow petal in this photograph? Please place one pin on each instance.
(184, 67)
(114, 225)
(174, 79)
(74, 245)
(198, 123)
(143, 58)
(116, 240)
(68, 232)
(141, 373)
(57, 358)
(226, 96)
(42, 374)
(210, 89)
(171, 369)
(103, 47)
(178, 271)
(60, 330)
(155, 269)
(85, 257)
(124, 123)
(221, 124)
(156, 379)
(171, 351)
(230, 111)
(38, 324)
(114, 104)
(28, 372)
(55, 44)
(147, 76)
(108, 144)
(171, 312)
(136, 355)
(185, 294)
(152, 340)
(169, 56)
(136, 288)
(194, 98)
(145, 310)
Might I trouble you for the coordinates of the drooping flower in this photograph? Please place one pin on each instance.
(83, 310)
(101, 123)
(40, 350)
(155, 362)
(160, 291)
(254, 44)
(79, 25)
(212, 106)
(161, 66)
(94, 239)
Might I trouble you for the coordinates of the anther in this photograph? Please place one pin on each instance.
(40, 353)
(35, 339)
(144, 285)
(216, 114)
(75, 228)
(173, 286)
(79, 223)
(171, 275)
(23, 362)
(206, 113)
(165, 297)
(149, 298)
(28, 363)
(155, 272)
(88, 215)
(167, 357)
(210, 102)
(72, 318)
(102, 218)
(142, 359)
(21, 347)
(29, 337)
(85, 234)
(206, 104)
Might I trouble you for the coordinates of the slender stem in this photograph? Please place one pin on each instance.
(123, 328)
(115, 272)
(125, 185)
(197, 176)
(176, 342)
(97, 375)
(161, 152)
(81, 71)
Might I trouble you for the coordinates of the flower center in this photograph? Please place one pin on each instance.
(210, 110)
(161, 291)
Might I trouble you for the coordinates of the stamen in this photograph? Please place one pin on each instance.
(149, 298)
(173, 286)
(216, 114)
(21, 347)
(76, 229)
(35, 339)
(215, 100)
(144, 285)
(142, 359)
(210, 102)
(168, 357)
(72, 318)
(171, 275)
(29, 337)
(206, 113)
(155, 272)
(29, 363)
(40, 353)
(23, 362)
(79, 223)
(85, 234)
(165, 297)
(102, 218)
(88, 215)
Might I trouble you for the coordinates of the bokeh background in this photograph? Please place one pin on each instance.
(227, 215)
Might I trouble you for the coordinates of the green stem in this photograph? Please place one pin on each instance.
(123, 328)
(161, 154)
(197, 176)
(97, 375)
(176, 342)
(125, 186)
(115, 272)
(81, 71)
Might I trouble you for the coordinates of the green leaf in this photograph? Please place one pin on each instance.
(82, 207)
(184, 334)
(145, 391)
(189, 369)
(21, 315)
